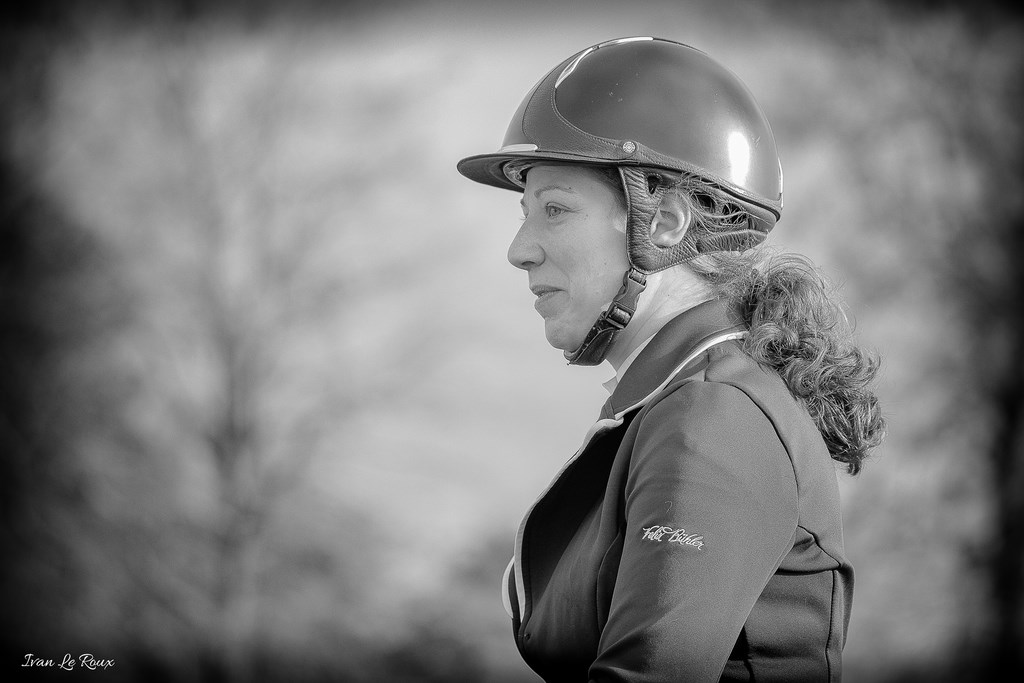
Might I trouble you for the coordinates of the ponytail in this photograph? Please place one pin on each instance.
(797, 328)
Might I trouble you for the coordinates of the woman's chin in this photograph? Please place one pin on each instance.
(561, 338)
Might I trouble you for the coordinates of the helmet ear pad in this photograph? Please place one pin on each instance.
(646, 191)
(643, 199)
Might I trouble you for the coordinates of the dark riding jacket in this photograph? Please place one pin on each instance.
(695, 536)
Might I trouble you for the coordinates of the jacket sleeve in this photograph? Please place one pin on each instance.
(710, 511)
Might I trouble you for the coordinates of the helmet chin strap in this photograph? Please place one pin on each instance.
(617, 316)
(642, 202)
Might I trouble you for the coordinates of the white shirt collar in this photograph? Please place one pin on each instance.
(614, 381)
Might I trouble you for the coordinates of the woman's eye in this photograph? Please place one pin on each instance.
(553, 211)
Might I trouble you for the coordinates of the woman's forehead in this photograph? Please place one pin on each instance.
(569, 177)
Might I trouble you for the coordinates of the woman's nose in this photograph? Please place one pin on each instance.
(524, 252)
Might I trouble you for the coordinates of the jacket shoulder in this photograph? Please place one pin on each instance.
(714, 414)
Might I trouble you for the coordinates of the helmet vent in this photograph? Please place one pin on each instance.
(706, 202)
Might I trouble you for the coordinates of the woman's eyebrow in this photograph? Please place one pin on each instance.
(564, 188)
(553, 186)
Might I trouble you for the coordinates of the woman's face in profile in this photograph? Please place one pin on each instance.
(572, 243)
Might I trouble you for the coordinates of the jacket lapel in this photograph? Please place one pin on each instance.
(666, 356)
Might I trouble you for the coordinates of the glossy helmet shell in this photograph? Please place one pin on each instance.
(645, 102)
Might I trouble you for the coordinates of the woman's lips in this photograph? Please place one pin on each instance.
(546, 297)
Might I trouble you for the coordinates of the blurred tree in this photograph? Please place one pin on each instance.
(947, 84)
(976, 101)
(201, 351)
(131, 368)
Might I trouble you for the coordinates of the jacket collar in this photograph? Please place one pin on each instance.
(669, 348)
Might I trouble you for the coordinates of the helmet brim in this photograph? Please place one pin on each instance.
(489, 169)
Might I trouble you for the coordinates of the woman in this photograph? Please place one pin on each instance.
(696, 535)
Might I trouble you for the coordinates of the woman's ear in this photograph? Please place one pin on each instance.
(672, 220)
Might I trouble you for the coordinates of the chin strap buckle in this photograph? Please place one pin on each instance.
(616, 317)
(623, 306)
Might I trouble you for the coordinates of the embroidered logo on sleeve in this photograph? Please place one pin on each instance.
(661, 534)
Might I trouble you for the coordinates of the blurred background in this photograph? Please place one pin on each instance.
(272, 402)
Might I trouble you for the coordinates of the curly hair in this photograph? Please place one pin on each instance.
(797, 329)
